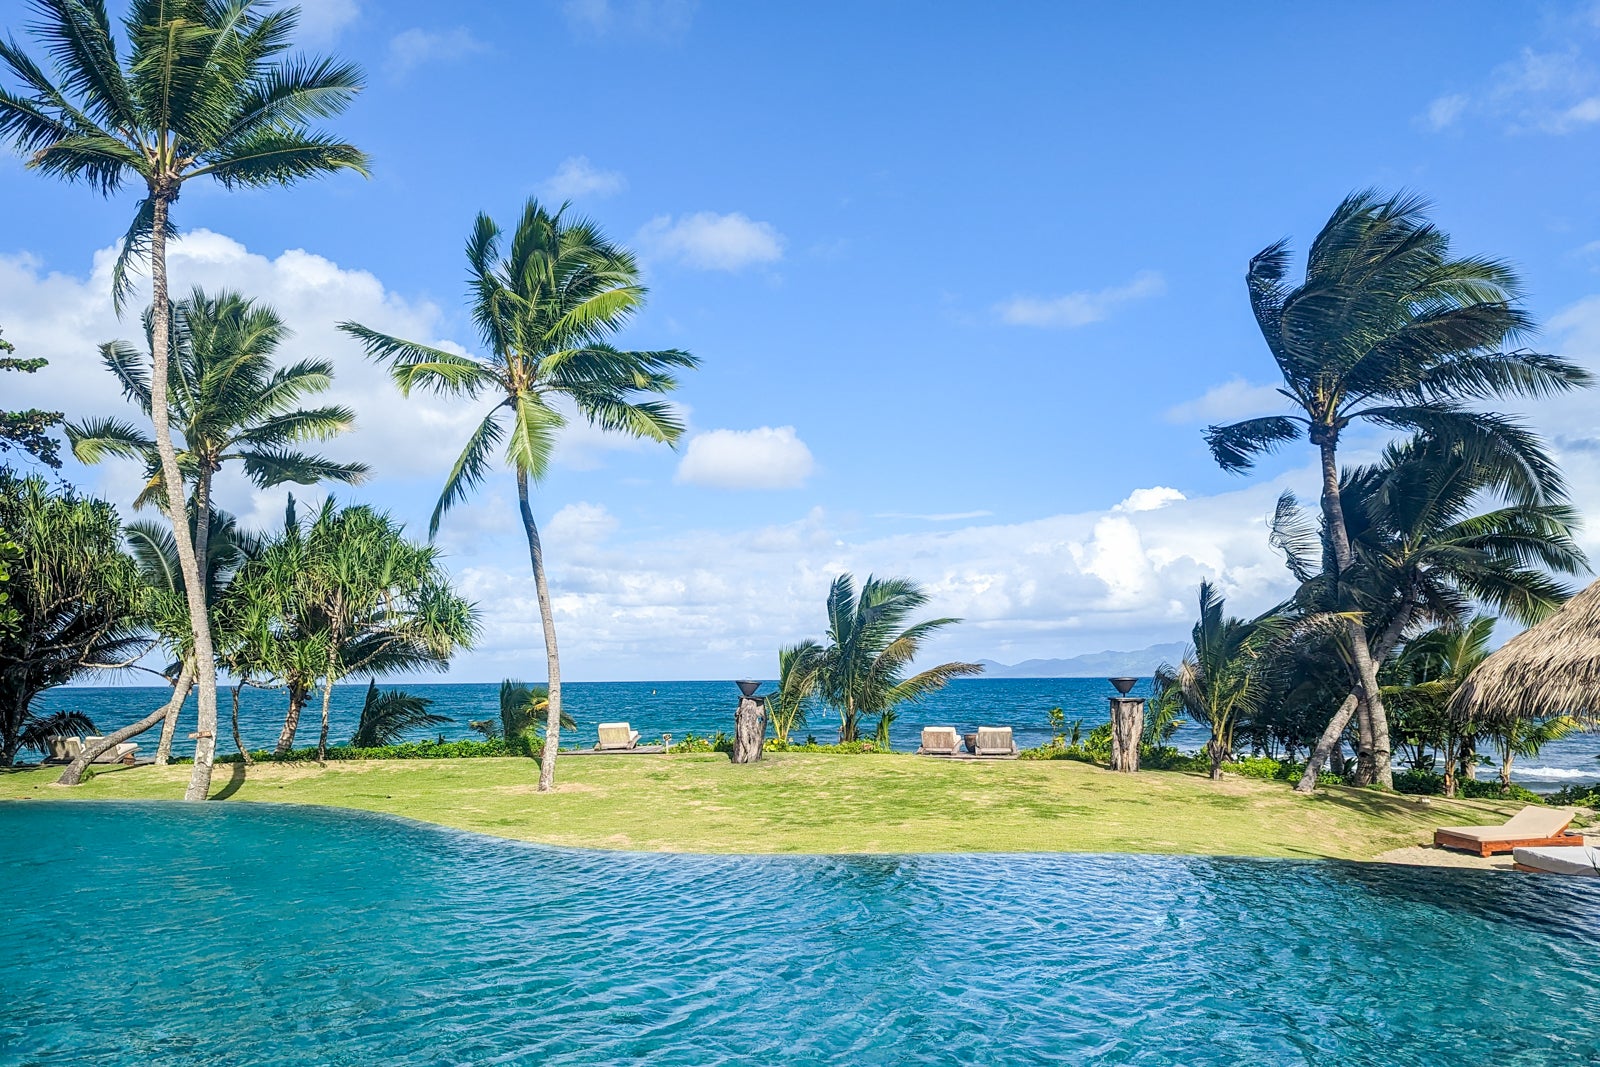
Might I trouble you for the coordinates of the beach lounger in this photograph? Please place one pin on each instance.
(1583, 862)
(616, 737)
(992, 742)
(123, 753)
(939, 741)
(1529, 827)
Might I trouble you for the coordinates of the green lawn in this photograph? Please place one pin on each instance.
(825, 803)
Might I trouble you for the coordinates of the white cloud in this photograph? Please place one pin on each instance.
(665, 20)
(1554, 90)
(580, 525)
(709, 241)
(415, 47)
(578, 177)
(947, 516)
(322, 20)
(1079, 308)
(1236, 399)
(1152, 499)
(764, 458)
(1445, 110)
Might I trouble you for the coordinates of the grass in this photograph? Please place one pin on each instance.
(825, 803)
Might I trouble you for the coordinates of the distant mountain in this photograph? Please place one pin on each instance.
(1140, 664)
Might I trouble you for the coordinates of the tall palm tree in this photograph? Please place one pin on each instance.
(871, 644)
(1388, 328)
(205, 91)
(1226, 674)
(545, 308)
(1437, 526)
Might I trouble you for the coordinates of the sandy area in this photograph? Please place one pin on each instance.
(1433, 856)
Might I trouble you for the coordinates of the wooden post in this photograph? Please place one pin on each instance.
(1127, 727)
(749, 730)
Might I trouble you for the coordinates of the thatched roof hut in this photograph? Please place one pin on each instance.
(1550, 669)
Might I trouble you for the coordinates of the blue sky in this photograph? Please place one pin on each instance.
(965, 281)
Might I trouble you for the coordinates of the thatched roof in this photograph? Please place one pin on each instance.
(1551, 669)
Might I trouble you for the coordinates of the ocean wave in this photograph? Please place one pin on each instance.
(1551, 774)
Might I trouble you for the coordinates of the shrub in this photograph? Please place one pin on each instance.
(850, 748)
(1577, 796)
(690, 743)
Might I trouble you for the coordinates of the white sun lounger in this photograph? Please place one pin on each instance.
(939, 741)
(1561, 859)
(70, 748)
(616, 737)
(993, 742)
(1533, 825)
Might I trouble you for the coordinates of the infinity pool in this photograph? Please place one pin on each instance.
(255, 934)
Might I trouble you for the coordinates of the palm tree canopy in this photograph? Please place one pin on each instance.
(1389, 327)
(228, 400)
(155, 550)
(1223, 678)
(872, 643)
(205, 88)
(546, 307)
(388, 715)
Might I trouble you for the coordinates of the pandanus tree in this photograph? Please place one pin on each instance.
(1437, 527)
(863, 667)
(1227, 673)
(546, 305)
(204, 90)
(1390, 329)
(77, 601)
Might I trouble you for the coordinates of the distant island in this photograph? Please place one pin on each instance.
(1141, 664)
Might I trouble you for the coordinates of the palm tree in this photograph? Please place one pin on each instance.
(1424, 550)
(1226, 674)
(1427, 673)
(545, 311)
(797, 684)
(78, 601)
(522, 709)
(1388, 328)
(871, 643)
(387, 715)
(205, 92)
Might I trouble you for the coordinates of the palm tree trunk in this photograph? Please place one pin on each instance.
(238, 743)
(1450, 745)
(327, 695)
(169, 725)
(73, 775)
(291, 721)
(205, 661)
(1215, 750)
(1505, 770)
(552, 728)
(1326, 743)
(1377, 767)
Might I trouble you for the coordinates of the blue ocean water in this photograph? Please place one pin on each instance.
(275, 935)
(704, 708)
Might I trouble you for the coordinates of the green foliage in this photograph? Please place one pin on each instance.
(720, 742)
(1420, 782)
(407, 750)
(843, 748)
(389, 714)
(789, 706)
(1577, 796)
(28, 431)
(871, 644)
(522, 717)
(78, 600)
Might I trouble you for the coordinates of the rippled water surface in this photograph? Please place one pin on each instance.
(244, 934)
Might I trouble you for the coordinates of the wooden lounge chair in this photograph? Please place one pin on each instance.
(939, 741)
(616, 737)
(992, 742)
(1529, 827)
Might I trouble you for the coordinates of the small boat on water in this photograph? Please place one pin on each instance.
(1583, 861)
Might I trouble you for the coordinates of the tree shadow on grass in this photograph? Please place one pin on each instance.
(235, 780)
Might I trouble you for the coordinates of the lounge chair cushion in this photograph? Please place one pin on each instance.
(1559, 859)
(1529, 823)
(940, 739)
(617, 735)
(994, 741)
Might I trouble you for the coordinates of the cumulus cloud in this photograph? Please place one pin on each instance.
(1152, 499)
(578, 177)
(665, 20)
(709, 241)
(1232, 400)
(1079, 308)
(764, 458)
(415, 47)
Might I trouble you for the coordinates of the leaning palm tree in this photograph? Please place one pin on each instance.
(1226, 674)
(545, 307)
(388, 714)
(1389, 328)
(204, 92)
(871, 644)
(797, 686)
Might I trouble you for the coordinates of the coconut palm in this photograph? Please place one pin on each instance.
(545, 307)
(797, 685)
(1226, 675)
(1426, 675)
(871, 644)
(523, 709)
(204, 91)
(1389, 328)
(78, 600)
(388, 715)
(1428, 544)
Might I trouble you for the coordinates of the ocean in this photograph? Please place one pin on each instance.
(704, 708)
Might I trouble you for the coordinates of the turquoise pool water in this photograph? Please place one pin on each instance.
(244, 934)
